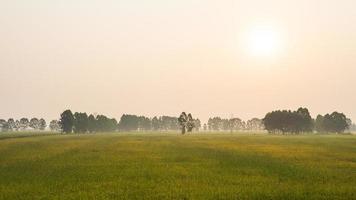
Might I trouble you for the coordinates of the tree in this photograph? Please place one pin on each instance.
(183, 119)
(112, 125)
(92, 124)
(190, 123)
(305, 120)
(24, 123)
(42, 124)
(215, 124)
(144, 123)
(286, 121)
(336, 122)
(168, 123)
(349, 124)
(226, 124)
(156, 124)
(255, 124)
(129, 123)
(3, 125)
(186, 122)
(105, 124)
(11, 125)
(54, 125)
(235, 124)
(35, 124)
(319, 124)
(80, 122)
(67, 121)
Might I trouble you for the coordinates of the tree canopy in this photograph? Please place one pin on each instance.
(286, 121)
(333, 123)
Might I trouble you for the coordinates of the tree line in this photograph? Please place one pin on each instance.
(142, 123)
(275, 122)
(233, 124)
(23, 124)
(84, 123)
(300, 121)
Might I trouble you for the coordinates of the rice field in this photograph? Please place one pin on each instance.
(172, 166)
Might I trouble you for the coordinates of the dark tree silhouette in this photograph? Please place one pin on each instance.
(129, 123)
(144, 123)
(305, 120)
(80, 122)
(104, 124)
(190, 123)
(286, 121)
(67, 121)
(332, 123)
(319, 124)
(92, 124)
(186, 122)
(183, 119)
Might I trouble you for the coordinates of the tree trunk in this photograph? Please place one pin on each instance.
(183, 130)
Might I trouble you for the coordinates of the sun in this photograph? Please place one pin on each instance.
(264, 41)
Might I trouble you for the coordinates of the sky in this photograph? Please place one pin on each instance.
(152, 57)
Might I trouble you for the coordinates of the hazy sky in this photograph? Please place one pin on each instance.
(155, 57)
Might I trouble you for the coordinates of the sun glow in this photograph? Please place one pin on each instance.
(264, 41)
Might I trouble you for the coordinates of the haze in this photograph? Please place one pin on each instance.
(164, 57)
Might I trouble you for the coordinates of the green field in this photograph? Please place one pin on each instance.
(172, 166)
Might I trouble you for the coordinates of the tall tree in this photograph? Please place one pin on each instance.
(42, 124)
(144, 123)
(305, 120)
(319, 124)
(92, 124)
(67, 121)
(183, 120)
(190, 123)
(186, 122)
(80, 122)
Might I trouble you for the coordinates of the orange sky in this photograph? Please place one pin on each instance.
(163, 57)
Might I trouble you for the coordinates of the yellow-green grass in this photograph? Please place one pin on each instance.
(172, 166)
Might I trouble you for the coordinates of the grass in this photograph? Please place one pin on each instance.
(171, 166)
